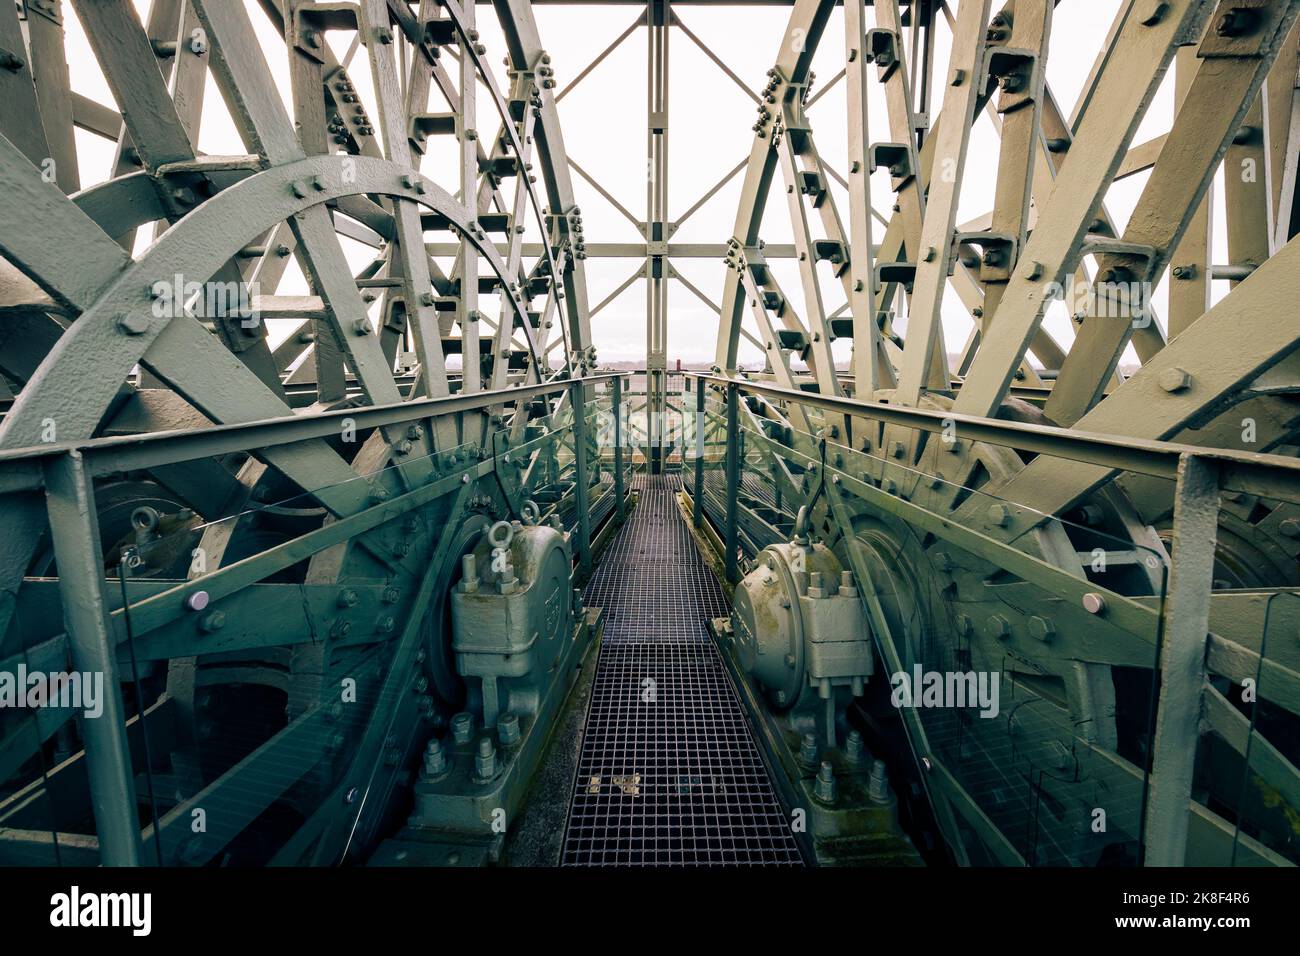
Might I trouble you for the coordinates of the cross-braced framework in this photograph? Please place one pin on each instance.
(257, 408)
(150, 302)
(1215, 374)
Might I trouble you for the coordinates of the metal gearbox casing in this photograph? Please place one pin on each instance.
(800, 633)
(799, 625)
(518, 637)
(512, 618)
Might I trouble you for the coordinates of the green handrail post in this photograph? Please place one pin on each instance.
(733, 476)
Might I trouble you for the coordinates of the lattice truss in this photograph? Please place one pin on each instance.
(392, 174)
(1049, 223)
(374, 179)
(354, 170)
(1217, 372)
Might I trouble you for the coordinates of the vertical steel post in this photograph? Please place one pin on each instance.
(577, 398)
(1186, 624)
(733, 476)
(74, 527)
(619, 491)
(467, 307)
(700, 420)
(658, 23)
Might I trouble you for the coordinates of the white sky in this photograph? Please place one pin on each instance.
(604, 121)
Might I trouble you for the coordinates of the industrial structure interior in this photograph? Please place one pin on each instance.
(357, 507)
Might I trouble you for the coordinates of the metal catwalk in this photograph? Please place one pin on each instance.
(669, 773)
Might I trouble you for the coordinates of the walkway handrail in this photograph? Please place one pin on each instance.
(22, 469)
(1269, 476)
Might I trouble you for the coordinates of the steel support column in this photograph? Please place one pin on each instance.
(577, 400)
(1182, 662)
(619, 490)
(700, 421)
(656, 230)
(733, 476)
(74, 527)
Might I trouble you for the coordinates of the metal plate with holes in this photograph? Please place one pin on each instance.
(669, 774)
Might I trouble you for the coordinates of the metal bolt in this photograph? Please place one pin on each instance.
(197, 601)
(435, 759)
(824, 789)
(1155, 12)
(999, 627)
(808, 751)
(1290, 528)
(462, 727)
(508, 729)
(213, 621)
(878, 783)
(485, 761)
(1234, 22)
(999, 515)
(853, 749)
(133, 323)
(1175, 379)
(347, 598)
(1094, 603)
(847, 587)
(1042, 628)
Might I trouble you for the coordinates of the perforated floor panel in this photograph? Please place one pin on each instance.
(669, 774)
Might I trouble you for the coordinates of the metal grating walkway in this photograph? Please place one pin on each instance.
(669, 774)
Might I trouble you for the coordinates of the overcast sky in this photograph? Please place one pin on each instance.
(604, 119)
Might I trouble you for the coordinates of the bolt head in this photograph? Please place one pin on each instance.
(999, 516)
(1175, 380)
(1042, 628)
(133, 323)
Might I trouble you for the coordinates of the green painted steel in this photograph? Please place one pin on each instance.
(320, 549)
